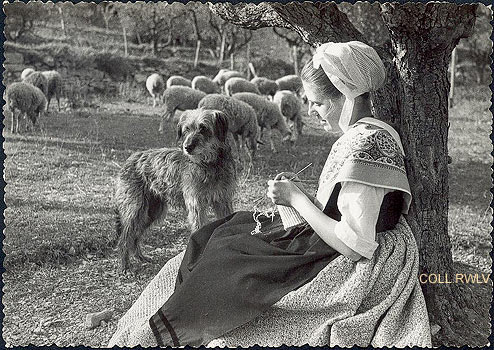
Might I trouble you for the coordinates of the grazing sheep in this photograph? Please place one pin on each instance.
(24, 99)
(155, 85)
(55, 83)
(39, 80)
(234, 85)
(242, 120)
(290, 106)
(290, 82)
(268, 115)
(26, 72)
(181, 98)
(178, 80)
(265, 86)
(225, 74)
(205, 84)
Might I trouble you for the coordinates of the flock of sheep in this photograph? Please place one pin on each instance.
(252, 106)
(32, 95)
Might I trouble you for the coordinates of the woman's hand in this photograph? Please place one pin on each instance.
(284, 192)
(293, 177)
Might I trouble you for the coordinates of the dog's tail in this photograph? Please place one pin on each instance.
(118, 227)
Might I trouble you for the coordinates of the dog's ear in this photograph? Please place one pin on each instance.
(221, 125)
(180, 124)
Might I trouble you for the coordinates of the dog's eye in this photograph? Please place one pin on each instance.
(203, 129)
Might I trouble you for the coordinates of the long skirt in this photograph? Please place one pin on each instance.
(316, 297)
(228, 276)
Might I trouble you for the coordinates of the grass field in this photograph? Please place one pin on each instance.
(60, 263)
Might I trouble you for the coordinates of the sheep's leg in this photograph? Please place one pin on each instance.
(48, 103)
(269, 132)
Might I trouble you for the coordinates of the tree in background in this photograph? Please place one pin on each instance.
(298, 48)
(415, 101)
(229, 38)
(20, 18)
(151, 22)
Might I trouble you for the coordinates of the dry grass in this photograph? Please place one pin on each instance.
(59, 226)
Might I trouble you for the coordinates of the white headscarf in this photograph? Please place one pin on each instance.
(354, 68)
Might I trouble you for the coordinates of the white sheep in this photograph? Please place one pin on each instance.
(39, 80)
(156, 86)
(242, 120)
(234, 85)
(26, 72)
(265, 86)
(178, 80)
(225, 74)
(55, 86)
(290, 106)
(24, 99)
(205, 84)
(268, 115)
(181, 98)
(290, 82)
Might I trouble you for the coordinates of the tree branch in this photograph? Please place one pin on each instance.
(250, 16)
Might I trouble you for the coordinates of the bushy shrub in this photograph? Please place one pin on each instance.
(272, 68)
(116, 66)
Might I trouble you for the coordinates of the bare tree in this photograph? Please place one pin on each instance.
(415, 101)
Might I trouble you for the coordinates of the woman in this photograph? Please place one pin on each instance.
(320, 280)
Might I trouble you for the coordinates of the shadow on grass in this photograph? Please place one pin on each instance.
(469, 184)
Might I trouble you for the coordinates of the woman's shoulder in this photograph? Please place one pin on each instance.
(371, 132)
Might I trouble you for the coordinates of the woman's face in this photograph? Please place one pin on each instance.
(326, 110)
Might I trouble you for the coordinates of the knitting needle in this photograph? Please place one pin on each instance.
(292, 178)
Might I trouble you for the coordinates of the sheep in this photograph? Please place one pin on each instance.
(290, 82)
(155, 85)
(225, 74)
(178, 80)
(26, 72)
(55, 83)
(39, 80)
(268, 115)
(242, 120)
(181, 98)
(265, 86)
(234, 85)
(205, 84)
(27, 99)
(290, 106)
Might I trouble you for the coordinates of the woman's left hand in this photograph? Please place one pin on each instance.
(283, 192)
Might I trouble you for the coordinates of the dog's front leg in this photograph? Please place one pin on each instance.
(222, 209)
(197, 215)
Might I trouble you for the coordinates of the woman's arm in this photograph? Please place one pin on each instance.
(323, 225)
(359, 204)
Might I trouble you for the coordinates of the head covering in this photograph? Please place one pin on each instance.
(354, 68)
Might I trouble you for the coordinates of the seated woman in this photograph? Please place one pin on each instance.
(344, 273)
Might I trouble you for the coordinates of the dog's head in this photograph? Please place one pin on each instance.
(204, 134)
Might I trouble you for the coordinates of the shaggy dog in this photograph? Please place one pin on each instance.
(199, 176)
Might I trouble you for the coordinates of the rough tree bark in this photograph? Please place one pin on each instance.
(415, 101)
(423, 37)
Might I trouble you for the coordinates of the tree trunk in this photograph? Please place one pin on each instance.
(222, 48)
(248, 60)
(232, 62)
(423, 37)
(452, 68)
(198, 48)
(124, 32)
(62, 21)
(295, 59)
